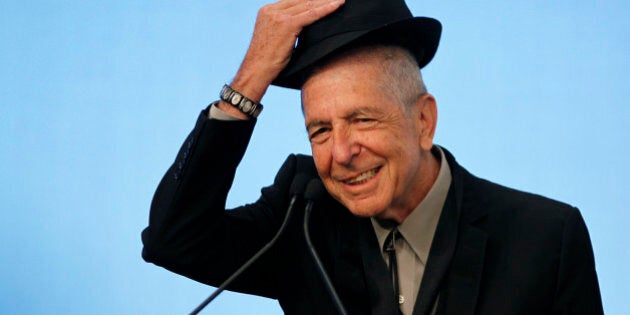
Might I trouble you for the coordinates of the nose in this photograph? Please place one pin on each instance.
(344, 146)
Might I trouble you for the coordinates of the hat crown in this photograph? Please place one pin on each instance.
(355, 15)
(360, 22)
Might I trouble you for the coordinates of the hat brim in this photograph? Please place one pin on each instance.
(420, 35)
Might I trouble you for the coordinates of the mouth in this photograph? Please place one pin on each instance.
(362, 178)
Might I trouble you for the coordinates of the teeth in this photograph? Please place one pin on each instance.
(363, 177)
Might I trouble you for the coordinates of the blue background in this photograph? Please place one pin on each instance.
(96, 97)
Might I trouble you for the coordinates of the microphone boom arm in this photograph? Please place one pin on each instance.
(247, 264)
(329, 286)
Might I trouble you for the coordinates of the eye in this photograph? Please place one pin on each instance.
(318, 134)
(364, 121)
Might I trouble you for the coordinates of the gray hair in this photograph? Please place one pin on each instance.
(402, 76)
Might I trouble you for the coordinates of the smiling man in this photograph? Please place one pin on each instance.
(404, 229)
(371, 142)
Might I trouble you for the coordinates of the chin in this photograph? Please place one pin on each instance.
(364, 206)
(364, 209)
(363, 214)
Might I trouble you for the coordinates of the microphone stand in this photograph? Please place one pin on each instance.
(297, 186)
(313, 191)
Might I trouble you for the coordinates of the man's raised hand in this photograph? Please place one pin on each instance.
(276, 30)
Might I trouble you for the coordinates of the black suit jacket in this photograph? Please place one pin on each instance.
(495, 251)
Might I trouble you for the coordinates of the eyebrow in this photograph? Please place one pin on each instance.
(362, 111)
(352, 114)
(316, 123)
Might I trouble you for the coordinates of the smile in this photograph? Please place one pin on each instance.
(362, 178)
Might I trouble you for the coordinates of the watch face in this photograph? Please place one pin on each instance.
(225, 93)
(236, 98)
(247, 106)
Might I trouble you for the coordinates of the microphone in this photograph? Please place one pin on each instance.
(315, 191)
(297, 187)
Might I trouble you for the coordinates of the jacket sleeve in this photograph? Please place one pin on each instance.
(577, 290)
(191, 233)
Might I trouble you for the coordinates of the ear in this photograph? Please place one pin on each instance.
(427, 118)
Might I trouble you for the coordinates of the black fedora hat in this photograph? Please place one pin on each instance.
(360, 21)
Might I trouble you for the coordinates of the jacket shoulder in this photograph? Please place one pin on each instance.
(495, 197)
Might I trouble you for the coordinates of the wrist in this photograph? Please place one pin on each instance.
(251, 83)
(240, 102)
(231, 110)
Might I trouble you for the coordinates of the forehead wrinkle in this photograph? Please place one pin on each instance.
(363, 110)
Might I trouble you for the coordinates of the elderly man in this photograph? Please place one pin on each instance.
(404, 229)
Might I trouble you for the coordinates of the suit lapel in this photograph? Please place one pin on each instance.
(456, 256)
(462, 289)
(441, 252)
(358, 266)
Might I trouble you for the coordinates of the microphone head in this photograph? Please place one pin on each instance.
(314, 190)
(298, 185)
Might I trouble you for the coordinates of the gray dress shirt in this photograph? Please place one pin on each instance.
(412, 248)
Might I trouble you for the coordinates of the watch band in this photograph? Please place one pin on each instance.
(240, 101)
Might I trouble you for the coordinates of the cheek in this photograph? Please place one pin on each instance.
(322, 160)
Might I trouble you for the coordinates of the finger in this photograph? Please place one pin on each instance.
(295, 14)
(317, 11)
(312, 5)
(285, 4)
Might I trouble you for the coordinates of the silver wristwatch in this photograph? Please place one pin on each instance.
(238, 100)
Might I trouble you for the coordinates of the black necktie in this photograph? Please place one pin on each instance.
(390, 249)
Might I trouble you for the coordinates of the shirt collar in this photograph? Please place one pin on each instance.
(419, 227)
